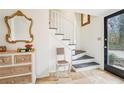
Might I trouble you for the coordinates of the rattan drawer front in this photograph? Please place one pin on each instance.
(23, 58)
(8, 71)
(23, 79)
(17, 80)
(7, 81)
(5, 60)
(22, 69)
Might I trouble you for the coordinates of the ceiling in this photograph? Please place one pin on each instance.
(94, 12)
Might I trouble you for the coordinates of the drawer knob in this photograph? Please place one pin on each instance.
(12, 81)
(2, 61)
(23, 59)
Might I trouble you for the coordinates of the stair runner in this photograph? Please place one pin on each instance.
(82, 65)
(84, 57)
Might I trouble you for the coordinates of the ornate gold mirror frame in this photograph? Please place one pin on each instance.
(8, 35)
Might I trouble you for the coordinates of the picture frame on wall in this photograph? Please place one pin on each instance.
(85, 19)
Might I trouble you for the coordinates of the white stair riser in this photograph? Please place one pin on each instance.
(65, 42)
(83, 61)
(73, 52)
(52, 31)
(78, 56)
(60, 37)
(72, 46)
(85, 68)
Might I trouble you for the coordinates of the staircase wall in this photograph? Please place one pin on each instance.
(54, 42)
(71, 26)
(78, 32)
(76, 19)
(92, 39)
(90, 35)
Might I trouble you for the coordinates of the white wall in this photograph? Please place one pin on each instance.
(41, 37)
(89, 38)
(90, 34)
(78, 31)
(45, 56)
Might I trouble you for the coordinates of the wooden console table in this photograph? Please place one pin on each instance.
(17, 68)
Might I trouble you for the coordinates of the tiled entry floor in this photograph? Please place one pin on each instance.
(86, 77)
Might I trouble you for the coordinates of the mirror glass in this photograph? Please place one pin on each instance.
(19, 28)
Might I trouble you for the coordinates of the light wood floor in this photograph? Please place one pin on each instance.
(86, 77)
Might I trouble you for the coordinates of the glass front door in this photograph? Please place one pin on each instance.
(114, 43)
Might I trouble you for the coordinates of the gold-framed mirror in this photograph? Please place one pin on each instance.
(19, 28)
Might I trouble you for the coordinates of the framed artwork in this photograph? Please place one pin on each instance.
(85, 19)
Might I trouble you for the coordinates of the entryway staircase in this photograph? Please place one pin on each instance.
(80, 60)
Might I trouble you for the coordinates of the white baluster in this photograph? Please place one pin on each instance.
(62, 23)
(55, 19)
(59, 23)
(49, 18)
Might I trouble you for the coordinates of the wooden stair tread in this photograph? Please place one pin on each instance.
(65, 39)
(78, 52)
(71, 44)
(58, 34)
(62, 62)
(53, 28)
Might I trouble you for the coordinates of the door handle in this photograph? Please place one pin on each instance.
(105, 46)
(105, 39)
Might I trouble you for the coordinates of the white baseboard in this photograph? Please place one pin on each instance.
(42, 76)
(101, 67)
